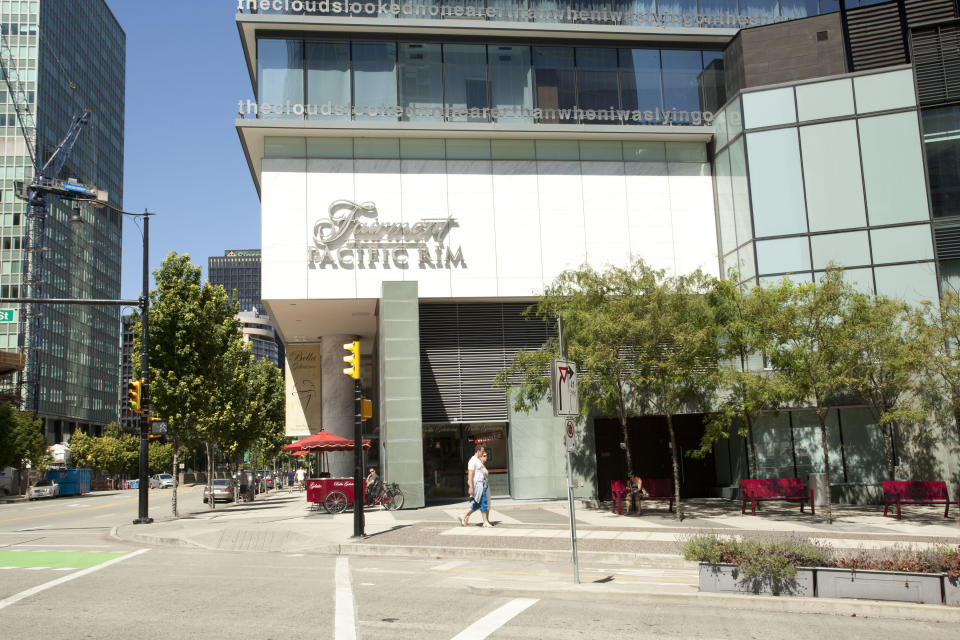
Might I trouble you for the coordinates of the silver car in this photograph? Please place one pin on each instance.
(161, 481)
(45, 488)
(222, 490)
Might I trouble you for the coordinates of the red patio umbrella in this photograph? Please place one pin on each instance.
(326, 441)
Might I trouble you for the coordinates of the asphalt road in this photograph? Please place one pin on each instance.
(63, 576)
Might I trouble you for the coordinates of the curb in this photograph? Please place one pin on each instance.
(823, 606)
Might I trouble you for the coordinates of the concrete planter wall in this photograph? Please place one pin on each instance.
(822, 582)
(951, 591)
(727, 578)
(880, 585)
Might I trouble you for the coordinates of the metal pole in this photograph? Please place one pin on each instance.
(357, 463)
(143, 517)
(570, 503)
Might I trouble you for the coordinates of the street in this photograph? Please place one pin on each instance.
(62, 575)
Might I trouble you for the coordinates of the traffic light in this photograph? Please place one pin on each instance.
(133, 394)
(366, 409)
(353, 359)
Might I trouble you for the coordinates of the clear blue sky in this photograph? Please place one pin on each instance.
(182, 159)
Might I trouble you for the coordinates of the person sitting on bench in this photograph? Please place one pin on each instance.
(634, 494)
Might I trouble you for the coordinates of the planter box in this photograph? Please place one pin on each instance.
(727, 578)
(879, 585)
(951, 591)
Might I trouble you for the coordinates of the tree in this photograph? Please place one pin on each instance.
(598, 329)
(642, 343)
(813, 347)
(159, 456)
(747, 392)
(892, 354)
(21, 440)
(191, 323)
(941, 334)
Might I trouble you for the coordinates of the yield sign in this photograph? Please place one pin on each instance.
(563, 383)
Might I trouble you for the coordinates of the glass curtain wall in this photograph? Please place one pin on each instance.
(436, 82)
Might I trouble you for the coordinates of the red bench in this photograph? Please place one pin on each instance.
(618, 491)
(914, 492)
(756, 490)
(657, 489)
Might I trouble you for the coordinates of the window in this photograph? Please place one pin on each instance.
(680, 88)
(556, 83)
(465, 80)
(941, 132)
(640, 82)
(280, 74)
(511, 88)
(597, 82)
(328, 79)
(421, 81)
(374, 78)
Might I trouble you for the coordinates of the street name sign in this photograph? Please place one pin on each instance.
(6, 315)
(563, 387)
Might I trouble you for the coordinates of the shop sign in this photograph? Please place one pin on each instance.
(353, 237)
(490, 436)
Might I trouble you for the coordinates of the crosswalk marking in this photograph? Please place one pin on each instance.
(495, 619)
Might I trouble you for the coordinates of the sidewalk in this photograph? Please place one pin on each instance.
(284, 522)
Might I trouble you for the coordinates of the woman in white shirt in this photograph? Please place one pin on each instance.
(478, 487)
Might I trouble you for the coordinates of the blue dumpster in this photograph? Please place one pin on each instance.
(73, 482)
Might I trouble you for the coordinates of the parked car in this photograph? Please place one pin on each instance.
(45, 488)
(222, 490)
(161, 481)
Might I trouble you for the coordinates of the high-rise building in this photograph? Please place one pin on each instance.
(238, 270)
(70, 55)
(426, 169)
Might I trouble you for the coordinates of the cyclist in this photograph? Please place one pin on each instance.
(372, 485)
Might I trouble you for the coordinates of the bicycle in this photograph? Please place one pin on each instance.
(390, 497)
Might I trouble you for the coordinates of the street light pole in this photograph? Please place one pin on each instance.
(143, 517)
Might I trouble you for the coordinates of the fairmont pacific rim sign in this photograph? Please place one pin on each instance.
(352, 236)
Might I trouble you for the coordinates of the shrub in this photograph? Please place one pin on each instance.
(948, 562)
(757, 559)
(895, 558)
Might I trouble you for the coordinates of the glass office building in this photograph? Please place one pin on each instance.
(70, 56)
(426, 169)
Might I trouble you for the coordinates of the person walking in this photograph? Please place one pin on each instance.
(477, 486)
(301, 474)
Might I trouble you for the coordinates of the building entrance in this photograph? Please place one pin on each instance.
(448, 447)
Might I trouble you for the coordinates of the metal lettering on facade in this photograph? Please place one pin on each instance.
(353, 237)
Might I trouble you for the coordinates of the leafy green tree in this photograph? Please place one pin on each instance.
(21, 440)
(642, 342)
(941, 333)
(159, 456)
(892, 354)
(814, 347)
(191, 325)
(747, 391)
(81, 449)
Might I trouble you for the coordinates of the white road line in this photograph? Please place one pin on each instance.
(53, 583)
(344, 619)
(68, 546)
(495, 619)
(447, 566)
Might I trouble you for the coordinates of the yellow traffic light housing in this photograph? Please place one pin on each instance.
(133, 394)
(353, 359)
(366, 409)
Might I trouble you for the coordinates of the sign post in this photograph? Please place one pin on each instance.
(566, 402)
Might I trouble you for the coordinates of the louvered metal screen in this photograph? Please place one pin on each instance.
(462, 347)
(947, 240)
(936, 60)
(924, 11)
(876, 36)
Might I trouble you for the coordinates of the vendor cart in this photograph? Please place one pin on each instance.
(333, 493)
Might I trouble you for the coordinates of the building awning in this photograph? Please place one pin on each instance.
(11, 362)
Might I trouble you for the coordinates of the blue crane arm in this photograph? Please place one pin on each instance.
(57, 159)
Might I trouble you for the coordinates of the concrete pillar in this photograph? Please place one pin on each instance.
(401, 421)
(337, 395)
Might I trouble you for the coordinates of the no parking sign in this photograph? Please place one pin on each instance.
(571, 435)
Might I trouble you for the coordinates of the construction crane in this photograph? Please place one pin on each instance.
(38, 192)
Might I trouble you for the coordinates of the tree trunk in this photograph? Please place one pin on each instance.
(888, 451)
(210, 498)
(752, 471)
(826, 463)
(626, 443)
(176, 483)
(677, 513)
